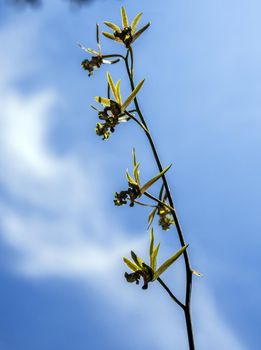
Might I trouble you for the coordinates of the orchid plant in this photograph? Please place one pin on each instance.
(113, 111)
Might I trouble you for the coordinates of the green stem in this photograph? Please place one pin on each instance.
(187, 303)
(170, 293)
(136, 120)
(113, 55)
(157, 200)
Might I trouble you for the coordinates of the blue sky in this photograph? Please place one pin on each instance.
(62, 240)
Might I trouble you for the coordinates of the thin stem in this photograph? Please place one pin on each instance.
(173, 212)
(157, 200)
(113, 55)
(136, 120)
(108, 91)
(132, 61)
(171, 294)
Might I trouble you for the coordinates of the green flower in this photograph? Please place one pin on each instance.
(135, 189)
(128, 33)
(150, 272)
(164, 212)
(114, 110)
(97, 59)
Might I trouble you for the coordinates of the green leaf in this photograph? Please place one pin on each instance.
(151, 244)
(130, 264)
(169, 262)
(96, 53)
(112, 86)
(130, 179)
(134, 157)
(136, 174)
(103, 100)
(132, 96)
(153, 180)
(138, 261)
(124, 18)
(161, 191)
(93, 51)
(135, 22)
(112, 26)
(196, 273)
(151, 216)
(138, 33)
(118, 90)
(110, 36)
(154, 257)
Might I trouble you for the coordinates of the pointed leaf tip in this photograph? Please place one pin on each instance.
(112, 26)
(169, 262)
(154, 179)
(130, 264)
(124, 18)
(112, 87)
(132, 95)
(135, 22)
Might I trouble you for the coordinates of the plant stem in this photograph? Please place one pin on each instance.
(170, 293)
(158, 200)
(187, 303)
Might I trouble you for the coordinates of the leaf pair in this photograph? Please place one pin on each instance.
(115, 88)
(138, 265)
(97, 59)
(128, 33)
(136, 180)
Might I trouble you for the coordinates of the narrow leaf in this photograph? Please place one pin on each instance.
(136, 174)
(130, 179)
(151, 244)
(112, 86)
(124, 18)
(98, 38)
(169, 262)
(151, 216)
(93, 51)
(161, 191)
(110, 36)
(196, 273)
(134, 157)
(154, 257)
(135, 22)
(132, 96)
(139, 32)
(88, 49)
(103, 100)
(112, 26)
(97, 34)
(153, 180)
(138, 261)
(118, 90)
(130, 264)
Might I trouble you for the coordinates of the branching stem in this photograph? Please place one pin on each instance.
(170, 293)
(186, 305)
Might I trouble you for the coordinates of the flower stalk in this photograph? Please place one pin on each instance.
(115, 111)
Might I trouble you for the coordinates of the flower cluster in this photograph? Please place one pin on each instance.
(97, 59)
(163, 210)
(135, 190)
(128, 34)
(94, 63)
(165, 219)
(149, 273)
(114, 110)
